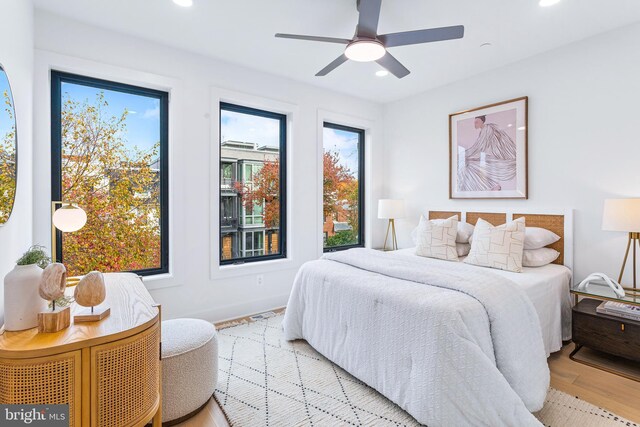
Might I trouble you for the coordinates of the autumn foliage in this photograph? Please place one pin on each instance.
(340, 196)
(263, 189)
(116, 185)
(7, 164)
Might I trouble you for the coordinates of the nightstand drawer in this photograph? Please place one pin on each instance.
(610, 334)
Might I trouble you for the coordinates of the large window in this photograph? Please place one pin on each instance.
(343, 187)
(252, 184)
(109, 156)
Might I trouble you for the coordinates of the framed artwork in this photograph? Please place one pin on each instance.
(488, 151)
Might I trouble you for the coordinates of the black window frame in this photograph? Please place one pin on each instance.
(282, 240)
(361, 186)
(59, 77)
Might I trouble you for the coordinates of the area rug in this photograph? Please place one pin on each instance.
(267, 381)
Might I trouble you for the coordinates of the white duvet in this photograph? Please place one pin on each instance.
(451, 344)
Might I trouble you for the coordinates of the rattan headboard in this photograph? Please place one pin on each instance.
(559, 223)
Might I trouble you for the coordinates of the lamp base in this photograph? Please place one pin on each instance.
(634, 240)
(394, 242)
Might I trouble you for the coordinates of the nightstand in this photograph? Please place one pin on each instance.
(608, 334)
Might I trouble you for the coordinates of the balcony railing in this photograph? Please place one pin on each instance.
(229, 222)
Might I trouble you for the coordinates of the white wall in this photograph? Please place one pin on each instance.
(195, 81)
(584, 142)
(16, 57)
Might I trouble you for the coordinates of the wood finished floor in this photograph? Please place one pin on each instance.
(609, 391)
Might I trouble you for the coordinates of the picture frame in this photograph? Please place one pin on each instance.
(488, 147)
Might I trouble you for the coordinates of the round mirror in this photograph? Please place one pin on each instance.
(8, 149)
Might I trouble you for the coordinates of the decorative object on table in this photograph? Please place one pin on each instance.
(602, 279)
(8, 149)
(390, 209)
(619, 309)
(22, 302)
(90, 292)
(488, 151)
(52, 285)
(624, 215)
(66, 219)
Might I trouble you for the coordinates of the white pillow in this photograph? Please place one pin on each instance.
(465, 231)
(536, 238)
(437, 238)
(498, 247)
(463, 249)
(539, 257)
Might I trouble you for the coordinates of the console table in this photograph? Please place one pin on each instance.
(108, 371)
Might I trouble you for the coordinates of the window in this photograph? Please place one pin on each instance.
(252, 184)
(110, 156)
(343, 187)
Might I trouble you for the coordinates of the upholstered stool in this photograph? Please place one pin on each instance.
(189, 367)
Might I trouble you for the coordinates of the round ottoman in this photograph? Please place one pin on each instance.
(189, 367)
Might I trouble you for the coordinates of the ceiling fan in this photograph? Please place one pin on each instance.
(367, 45)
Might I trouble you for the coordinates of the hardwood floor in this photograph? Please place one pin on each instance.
(609, 391)
(606, 390)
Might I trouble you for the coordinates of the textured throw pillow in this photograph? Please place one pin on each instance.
(437, 238)
(463, 249)
(498, 247)
(536, 238)
(465, 231)
(539, 257)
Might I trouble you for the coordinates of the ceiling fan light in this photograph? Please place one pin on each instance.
(365, 50)
(184, 3)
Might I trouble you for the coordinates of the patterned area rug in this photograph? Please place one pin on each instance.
(267, 381)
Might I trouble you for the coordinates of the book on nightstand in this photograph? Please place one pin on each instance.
(618, 309)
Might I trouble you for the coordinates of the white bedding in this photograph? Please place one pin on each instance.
(452, 344)
(548, 289)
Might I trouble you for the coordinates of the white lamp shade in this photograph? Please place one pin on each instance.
(69, 218)
(621, 215)
(390, 208)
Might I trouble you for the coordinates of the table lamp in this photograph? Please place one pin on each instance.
(67, 218)
(390, 209)
(624, 215)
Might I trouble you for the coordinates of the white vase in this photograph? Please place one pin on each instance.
(22, 303)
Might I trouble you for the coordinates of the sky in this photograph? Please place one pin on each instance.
(345, 143)
(5, 122)
(143, 120)
(249, 128)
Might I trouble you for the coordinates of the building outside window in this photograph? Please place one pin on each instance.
(110, 156)
(343, 187)
(252, 184)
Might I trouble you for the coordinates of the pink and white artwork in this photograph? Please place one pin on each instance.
(488, 152)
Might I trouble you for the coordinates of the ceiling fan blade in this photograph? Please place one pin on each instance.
(313, 38)
(369, 17)
(422, 36)
(393, 66)
(335, 64)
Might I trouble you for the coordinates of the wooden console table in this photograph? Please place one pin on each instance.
(108, 372)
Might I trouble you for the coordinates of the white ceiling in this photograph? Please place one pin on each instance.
(241, 31)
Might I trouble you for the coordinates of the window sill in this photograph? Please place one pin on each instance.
(160, 281)
(257, 267)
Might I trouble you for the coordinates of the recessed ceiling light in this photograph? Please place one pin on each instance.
(522, 128)
(184, 3)
(382, 73)
(365, 50)
(486, 44)
(547, 3)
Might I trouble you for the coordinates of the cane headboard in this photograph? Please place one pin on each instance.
(559, 223)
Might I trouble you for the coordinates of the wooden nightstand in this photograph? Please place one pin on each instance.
(608, 334)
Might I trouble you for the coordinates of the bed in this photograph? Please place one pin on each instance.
(451, 343)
